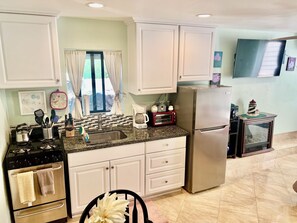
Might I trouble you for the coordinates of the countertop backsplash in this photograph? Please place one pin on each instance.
(91, 122)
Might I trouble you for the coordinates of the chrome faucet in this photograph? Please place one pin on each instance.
(99, 122)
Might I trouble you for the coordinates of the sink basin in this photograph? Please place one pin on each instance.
(103, 137)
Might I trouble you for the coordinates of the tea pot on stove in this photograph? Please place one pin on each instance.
(23, 131)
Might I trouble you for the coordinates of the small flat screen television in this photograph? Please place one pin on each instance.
(258, 58)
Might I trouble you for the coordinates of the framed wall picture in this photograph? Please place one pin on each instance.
(217, 60)
(291, 63)
(31, 101)
(216, 79)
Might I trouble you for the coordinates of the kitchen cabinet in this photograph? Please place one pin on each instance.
(195, 53)
(165, 165)
(87, 182)
(152, 55)
(29, 52)
(146, 168)
(156, 50)
(94, 172)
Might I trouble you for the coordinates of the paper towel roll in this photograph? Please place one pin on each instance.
(86, 101)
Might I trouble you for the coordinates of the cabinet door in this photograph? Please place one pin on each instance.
(157, 52)
(87, 182)
(128, 173)
(195, 53)
(29, 52)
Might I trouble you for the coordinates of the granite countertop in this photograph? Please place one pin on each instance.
(77, 144)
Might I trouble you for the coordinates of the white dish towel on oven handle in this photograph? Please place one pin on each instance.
(26, 187)
(46, 181)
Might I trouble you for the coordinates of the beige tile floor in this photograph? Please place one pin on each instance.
(258, 189)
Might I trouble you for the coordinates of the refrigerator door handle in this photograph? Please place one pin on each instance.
(220, 128)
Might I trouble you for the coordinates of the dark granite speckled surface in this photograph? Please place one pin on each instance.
(76, 144)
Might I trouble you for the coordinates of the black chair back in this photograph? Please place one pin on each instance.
(134, 209)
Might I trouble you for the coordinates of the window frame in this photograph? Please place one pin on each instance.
(93, 76)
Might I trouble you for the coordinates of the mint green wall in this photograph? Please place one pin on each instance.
(83, 34)
(275, 95)
(88, 34)
(4, 139)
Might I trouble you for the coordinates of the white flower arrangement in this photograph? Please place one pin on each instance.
(109, 210)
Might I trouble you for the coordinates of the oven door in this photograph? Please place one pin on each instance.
(58, 170)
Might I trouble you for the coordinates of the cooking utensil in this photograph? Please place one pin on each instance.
(46, 122)
(53, 115)
(22, 134)
(54, 118)
(39, 114)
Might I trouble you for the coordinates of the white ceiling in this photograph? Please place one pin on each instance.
(277, 15)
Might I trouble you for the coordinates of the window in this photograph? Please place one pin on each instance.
(96, 84)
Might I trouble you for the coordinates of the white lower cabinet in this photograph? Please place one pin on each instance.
(128, 173)
(90, 180)
(93, 172)
(87, 182)
(165, 165)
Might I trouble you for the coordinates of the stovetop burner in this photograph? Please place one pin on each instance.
(21, 150)
(23, 144)
(47, 144)
(22, 147)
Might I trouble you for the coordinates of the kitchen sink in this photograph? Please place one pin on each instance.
(103, 137)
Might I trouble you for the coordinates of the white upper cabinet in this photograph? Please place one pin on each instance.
(195, 53)
(29, 52)
(153, 53)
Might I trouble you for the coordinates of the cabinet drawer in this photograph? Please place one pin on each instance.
(99, 155)
(168, 180)
(165, 144)
(162, 161)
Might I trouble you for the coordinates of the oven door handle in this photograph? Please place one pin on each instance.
(35, 171)
(20, 215)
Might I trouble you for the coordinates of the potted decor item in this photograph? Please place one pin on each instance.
(109, 209)
(253, 111)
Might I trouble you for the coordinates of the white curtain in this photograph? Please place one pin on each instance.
(113, 62)
(75, 62)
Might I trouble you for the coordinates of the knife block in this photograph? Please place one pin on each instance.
(69, 131)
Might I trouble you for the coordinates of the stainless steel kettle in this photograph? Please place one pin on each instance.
(23, 132)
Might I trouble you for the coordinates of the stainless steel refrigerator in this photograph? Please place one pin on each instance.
(204, 111)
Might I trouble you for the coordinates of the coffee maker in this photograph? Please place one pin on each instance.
(140, 118)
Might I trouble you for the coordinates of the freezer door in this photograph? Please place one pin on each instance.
(209, 158)
(212, 107)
